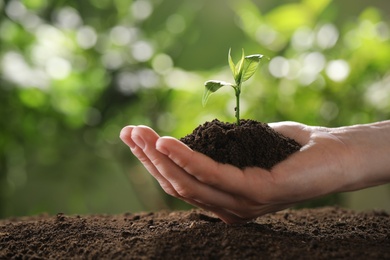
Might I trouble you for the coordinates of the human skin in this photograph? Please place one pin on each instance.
(331, 160)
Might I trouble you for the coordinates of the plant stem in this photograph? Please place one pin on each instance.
(238, 92)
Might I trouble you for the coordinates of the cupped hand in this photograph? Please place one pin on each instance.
(236, 195)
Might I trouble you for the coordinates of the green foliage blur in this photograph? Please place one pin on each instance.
(73, 73)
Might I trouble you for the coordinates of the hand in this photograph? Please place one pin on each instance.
(327, 163)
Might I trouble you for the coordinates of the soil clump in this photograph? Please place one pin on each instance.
(250, 144)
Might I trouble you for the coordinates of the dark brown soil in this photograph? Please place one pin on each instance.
(252, 143)
(324, 233)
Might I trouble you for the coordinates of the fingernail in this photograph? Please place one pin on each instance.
(159, 148)
(125, 136)
(139, 141)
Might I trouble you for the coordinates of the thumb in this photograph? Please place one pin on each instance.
(297, 131)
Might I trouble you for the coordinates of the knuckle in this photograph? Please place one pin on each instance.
(184, 191)
(212, 177)
(184, 163)
(169, 190)
(143, 159)
(155, 161)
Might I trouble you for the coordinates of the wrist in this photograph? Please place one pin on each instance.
(369, 149)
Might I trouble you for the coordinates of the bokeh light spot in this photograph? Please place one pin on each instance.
(337, 70)
(142, 51)
(176, 23)
(58, 68)
(162, 63)
(86, 37)
(279, 67)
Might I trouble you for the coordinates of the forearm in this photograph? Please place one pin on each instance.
(370, 149)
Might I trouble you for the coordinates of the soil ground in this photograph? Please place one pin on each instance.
(323, 233)
(251, 144)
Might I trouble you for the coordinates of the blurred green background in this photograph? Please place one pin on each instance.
(73, 73)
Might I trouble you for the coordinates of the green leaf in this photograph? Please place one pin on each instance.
(231, 64)
(211, 87)
(251, 63)
(239, 69)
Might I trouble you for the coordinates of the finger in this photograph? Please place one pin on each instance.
(202, 167)
(128, 136)
(125, 136)
(299, 132)
(224, 177)
(225, 215)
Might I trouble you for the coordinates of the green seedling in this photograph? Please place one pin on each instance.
(242, 71)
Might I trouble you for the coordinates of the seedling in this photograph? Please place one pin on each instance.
(242, 71)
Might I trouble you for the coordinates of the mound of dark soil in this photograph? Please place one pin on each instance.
(252, 143)
(325, 233)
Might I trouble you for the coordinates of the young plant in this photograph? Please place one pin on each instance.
(242, 71)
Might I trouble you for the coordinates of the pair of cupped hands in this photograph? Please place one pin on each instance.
(322, 166)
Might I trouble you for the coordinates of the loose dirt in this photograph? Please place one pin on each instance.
(323, 233)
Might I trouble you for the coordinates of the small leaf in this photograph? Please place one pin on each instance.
(231, 64)
(239, 69)
(211, 87)
(250, 65)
